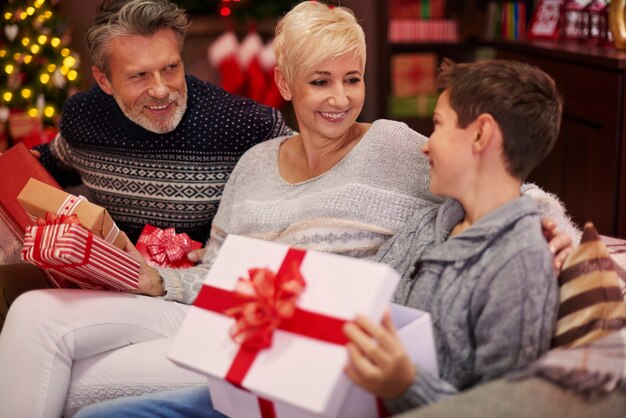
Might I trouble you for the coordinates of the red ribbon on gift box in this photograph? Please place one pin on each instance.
(278, 311)
(52, 219)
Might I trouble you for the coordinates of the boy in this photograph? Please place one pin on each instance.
(487, 278)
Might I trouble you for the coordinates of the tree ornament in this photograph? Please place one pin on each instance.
(58, 80)
(11, 32)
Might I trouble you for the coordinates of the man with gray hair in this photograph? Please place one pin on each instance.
(151, 145)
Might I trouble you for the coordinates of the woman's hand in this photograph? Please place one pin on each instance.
(560, 244)
(196, 256)
(378, 360)
(150, 282)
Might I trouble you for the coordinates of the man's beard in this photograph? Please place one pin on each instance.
(168, 124)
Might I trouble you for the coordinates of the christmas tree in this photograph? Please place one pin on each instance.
(37, 68)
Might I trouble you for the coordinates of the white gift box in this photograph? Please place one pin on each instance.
(414, 329)
(302, 376)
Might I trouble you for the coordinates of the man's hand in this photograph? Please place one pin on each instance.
(560, 244)
(378, 360)
(150, 282)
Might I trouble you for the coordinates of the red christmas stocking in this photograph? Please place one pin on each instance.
(222, 54)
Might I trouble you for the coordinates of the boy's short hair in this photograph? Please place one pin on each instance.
(522, 99)
(313, 32)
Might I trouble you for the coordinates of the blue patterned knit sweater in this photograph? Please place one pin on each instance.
(174, 179)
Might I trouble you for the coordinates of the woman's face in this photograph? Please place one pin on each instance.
(328, 101)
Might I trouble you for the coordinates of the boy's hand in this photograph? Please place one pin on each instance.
(560, 244)
(150, 282)
(378, 360)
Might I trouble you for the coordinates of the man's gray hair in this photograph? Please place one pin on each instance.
(116, 18)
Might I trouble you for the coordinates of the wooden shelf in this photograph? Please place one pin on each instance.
(587, 167)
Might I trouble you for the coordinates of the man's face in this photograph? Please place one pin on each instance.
(147, 79)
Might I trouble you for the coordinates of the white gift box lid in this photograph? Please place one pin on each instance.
(300, 371)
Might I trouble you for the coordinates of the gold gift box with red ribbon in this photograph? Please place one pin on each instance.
(62, 245)
(38, 198)
(266, 330)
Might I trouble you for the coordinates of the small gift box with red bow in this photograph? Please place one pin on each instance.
(60, 244)
(38, 198)
(166, 248)
(266, 329)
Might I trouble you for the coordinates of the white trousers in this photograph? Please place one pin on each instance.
(88, 345)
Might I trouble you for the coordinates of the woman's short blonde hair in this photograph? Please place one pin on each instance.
(313, 32)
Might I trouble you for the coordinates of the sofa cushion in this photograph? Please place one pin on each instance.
(591, 293)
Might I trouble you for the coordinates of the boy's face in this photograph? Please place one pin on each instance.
(147, 79)
(448, 150)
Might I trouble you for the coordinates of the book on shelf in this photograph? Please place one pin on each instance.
(506, 20)
(421, 106)
(422, 30)
(417, 9)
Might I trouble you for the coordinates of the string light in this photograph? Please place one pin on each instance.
(48, 111)
(28, 68)
(69, 61)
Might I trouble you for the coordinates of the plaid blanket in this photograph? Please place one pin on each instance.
(591, 370)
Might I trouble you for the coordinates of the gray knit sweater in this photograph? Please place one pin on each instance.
(352, 209)
(491, 292)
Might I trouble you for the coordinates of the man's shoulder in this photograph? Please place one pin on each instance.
(208, 94)
(94, 96)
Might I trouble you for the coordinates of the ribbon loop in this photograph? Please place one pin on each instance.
(266, 299)
(165, 246)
